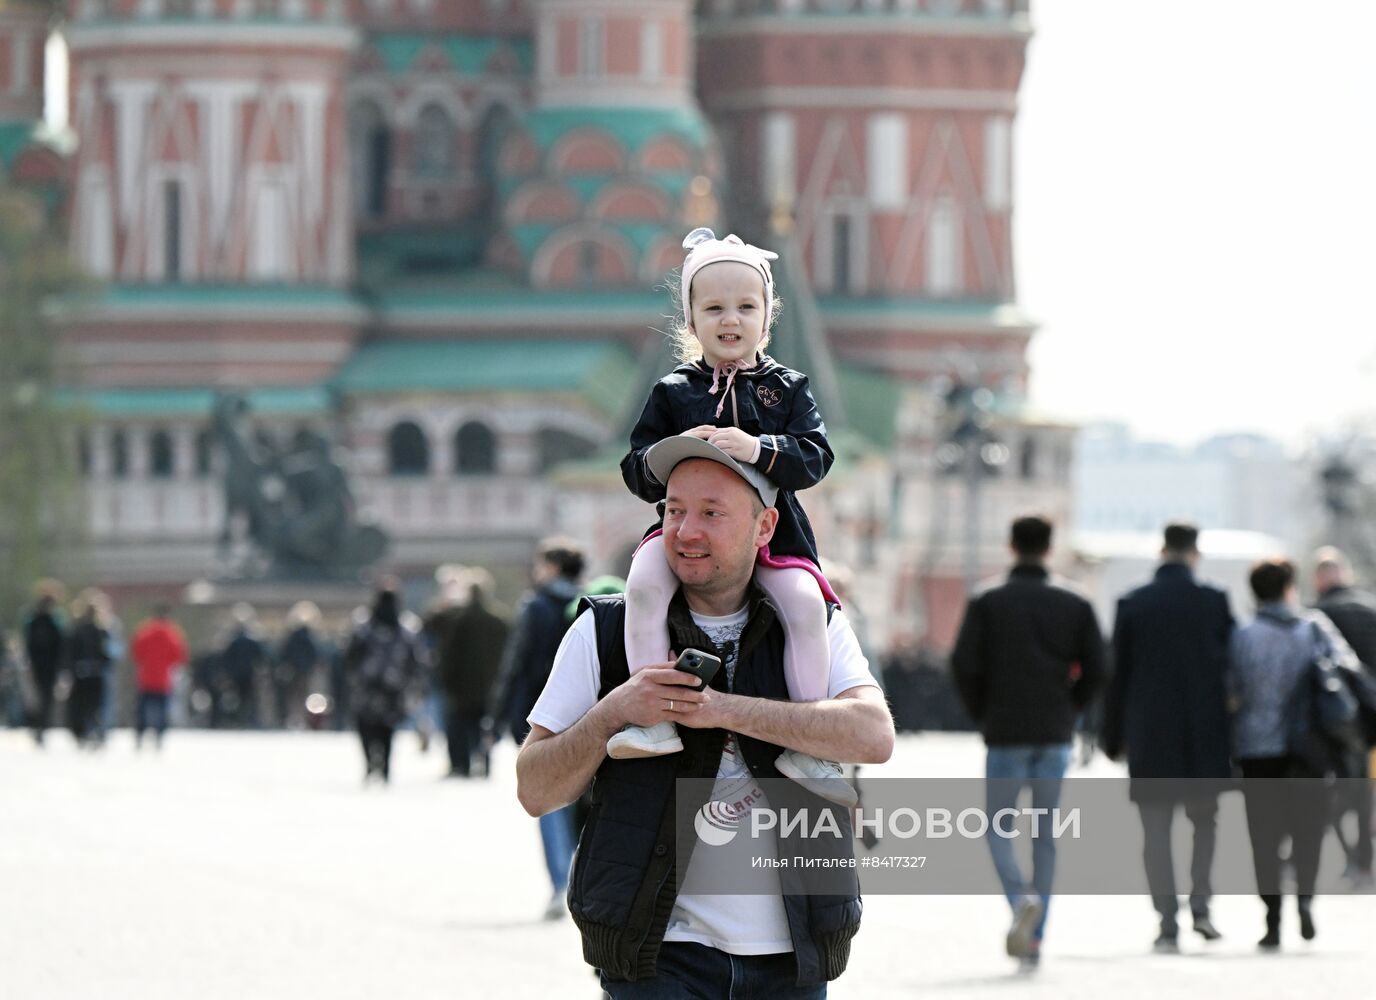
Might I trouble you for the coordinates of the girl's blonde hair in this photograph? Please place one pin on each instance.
(687, 347)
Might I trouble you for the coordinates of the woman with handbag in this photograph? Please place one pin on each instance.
(1277, 661)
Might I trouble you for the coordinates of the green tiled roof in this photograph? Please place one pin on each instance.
(224, 295)
(487, 292)
(418, 250)
(530, 236)
(601, 372)
(586, 187)
(284, 299)
(872, 400)
(468, 54)
(632, 127)
(160, 402)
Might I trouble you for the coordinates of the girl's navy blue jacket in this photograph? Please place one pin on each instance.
(769, 401)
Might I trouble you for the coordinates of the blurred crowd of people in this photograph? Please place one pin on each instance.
(457, 667)
(1187, 693)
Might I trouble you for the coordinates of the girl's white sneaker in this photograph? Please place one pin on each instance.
(820, 777)
(645, 741)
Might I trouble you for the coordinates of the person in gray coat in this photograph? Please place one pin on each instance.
(1167, 709)
(1271, 666)
(1353, 612)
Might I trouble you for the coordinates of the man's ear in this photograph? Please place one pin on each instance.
(769, 520)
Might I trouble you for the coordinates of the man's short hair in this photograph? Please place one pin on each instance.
(564, 554)
(1270, 579)
(1331, 560)
(1031, 535)
(1182, 538)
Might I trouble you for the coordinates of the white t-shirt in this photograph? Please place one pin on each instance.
(737, 925)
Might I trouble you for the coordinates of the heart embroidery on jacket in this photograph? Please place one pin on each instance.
(768, 396)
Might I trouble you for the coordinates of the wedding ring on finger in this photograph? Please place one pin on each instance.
(671, 704)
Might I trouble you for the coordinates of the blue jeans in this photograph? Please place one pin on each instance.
(152, 714)
(1007, 771)
(689, 971)
(556, 833)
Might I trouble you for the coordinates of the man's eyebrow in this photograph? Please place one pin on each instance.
(673, 499)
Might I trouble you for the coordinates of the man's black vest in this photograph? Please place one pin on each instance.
(623, 885)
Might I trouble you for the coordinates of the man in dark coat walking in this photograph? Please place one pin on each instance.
(1353, 612)
(45, 642)
(1028, 659)
(469, 640)
(1167, 707)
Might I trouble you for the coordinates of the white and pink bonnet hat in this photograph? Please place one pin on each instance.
(704, 248)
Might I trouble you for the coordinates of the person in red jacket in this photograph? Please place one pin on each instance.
(159, 651)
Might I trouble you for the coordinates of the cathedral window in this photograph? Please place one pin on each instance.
(840, 254)
(119, 454)
(272, 255)
(887, 160)
(434, 142)
(172, 231)
(997, 139)
(475, 450)
(944, 251)
(591, 47)
(370, 148)
(205, 452)
(161, 461)
(408, 450)
(840, 261)
(652, 50)
(780, 141)
(84, 460)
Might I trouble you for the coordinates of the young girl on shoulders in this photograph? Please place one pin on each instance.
(730, 393)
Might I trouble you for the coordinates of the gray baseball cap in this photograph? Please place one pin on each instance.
(663, 457)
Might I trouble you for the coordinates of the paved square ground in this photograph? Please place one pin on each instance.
(257, 866)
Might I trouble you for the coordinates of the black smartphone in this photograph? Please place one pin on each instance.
(703, 666)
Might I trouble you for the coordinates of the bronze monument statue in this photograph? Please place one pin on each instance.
(295, 505)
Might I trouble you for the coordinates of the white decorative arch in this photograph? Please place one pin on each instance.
(516, 205)
(618, 187)
(557, 150)
(434, 91)
(549, 251)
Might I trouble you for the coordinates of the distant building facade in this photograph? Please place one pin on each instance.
(435, 230)
(1233, 482)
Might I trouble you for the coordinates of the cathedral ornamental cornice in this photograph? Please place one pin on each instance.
(287, 304)
(534, 310)
(84, 37)
(843, 97)
(1017, 28)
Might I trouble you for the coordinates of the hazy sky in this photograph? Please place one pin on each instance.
(1196, 184)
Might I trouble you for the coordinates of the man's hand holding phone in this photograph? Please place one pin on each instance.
(658, 692)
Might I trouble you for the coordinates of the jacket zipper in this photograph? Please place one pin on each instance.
(735, 414)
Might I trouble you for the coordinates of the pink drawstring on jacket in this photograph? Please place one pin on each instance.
(729, 369)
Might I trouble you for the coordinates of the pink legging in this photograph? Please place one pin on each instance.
(791, 585)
